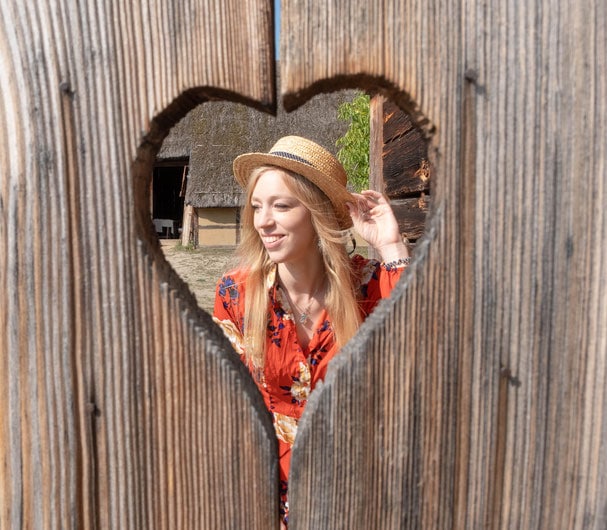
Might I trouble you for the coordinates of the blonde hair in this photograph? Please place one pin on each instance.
(340, 298)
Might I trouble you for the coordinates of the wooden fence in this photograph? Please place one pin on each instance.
(473, 398)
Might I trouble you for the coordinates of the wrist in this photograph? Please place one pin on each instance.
(393, 252)
(401, 263)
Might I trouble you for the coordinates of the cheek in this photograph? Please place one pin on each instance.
(306, 228)
(255, 221)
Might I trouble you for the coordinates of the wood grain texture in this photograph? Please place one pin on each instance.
(407, 170)
(411, 215)
(122, 405)
(475, 397)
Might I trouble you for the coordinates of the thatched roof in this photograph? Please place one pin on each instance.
(214, 133)
(178, 143)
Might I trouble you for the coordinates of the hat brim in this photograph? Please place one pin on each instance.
(337, 194)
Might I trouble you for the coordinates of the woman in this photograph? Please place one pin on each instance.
(297, 297)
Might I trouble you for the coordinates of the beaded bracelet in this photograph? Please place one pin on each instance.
(397, 263)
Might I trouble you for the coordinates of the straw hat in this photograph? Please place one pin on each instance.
(308, 159)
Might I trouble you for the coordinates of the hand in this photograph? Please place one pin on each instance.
(374, 220)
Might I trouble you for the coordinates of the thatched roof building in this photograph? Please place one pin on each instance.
(214, 133)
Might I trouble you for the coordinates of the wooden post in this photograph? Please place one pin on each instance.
(376, 147)
(189, 226)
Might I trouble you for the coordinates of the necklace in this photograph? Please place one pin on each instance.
(304, 315)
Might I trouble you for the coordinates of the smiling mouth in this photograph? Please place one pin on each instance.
(271, 240)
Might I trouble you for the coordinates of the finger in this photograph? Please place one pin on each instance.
(357, 212)
(362, 204)
(372, 193)
(365, 204)
(375, 196)
(359, 198)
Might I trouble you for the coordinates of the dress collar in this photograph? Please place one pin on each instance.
(277, 294)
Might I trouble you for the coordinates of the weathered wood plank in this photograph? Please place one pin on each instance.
(122, 405)
(376, 143)
(476, 396)
(396, 122)
(406, 166)
(411, 214)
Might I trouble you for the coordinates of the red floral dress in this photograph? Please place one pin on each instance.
(291, 372)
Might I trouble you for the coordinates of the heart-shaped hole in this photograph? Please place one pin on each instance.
(194, 199)
(193, 147)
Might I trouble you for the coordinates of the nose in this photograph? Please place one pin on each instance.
(263, 217)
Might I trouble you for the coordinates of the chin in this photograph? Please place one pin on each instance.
(281, 257)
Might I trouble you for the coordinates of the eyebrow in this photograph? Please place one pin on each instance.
(274, 198)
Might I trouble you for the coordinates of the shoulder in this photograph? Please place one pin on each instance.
(229, 296)
(234, 280)
(236, 275)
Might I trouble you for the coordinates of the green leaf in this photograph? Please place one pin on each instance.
(354, 145)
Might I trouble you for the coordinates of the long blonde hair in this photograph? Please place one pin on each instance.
(340, 298)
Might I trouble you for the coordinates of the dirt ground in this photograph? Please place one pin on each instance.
(200, 268)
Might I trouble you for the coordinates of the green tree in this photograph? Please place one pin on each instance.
(354, 145)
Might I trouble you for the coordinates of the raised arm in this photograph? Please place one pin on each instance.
(374, 220)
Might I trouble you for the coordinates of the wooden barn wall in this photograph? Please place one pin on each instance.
(399, 165)
(474, 397)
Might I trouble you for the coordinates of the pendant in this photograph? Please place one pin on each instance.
(303, 318)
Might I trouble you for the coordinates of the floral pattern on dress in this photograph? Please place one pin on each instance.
(276, 333)
(285, 427)
(231, 331)
(318, 353)
(367, 273)
(300, 389)
(228, 286)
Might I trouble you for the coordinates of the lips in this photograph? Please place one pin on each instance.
(271, 241)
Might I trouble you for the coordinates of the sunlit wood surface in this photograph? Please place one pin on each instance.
(122, 406)
(476, 397)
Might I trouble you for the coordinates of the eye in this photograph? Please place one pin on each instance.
(281, 206)
(255, 206)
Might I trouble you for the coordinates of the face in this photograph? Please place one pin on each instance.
(281, 220)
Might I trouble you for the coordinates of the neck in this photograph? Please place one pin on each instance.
(299, 278)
